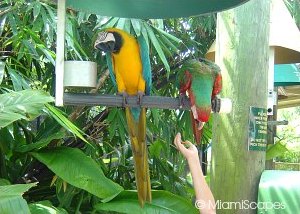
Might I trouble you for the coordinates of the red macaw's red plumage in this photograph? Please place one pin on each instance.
(201, 81)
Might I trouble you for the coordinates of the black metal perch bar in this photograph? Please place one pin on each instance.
(117, 101)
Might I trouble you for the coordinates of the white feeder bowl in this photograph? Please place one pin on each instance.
(221, 105)
(80, 74)
(226, 106)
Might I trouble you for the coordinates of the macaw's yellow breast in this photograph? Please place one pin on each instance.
(127, 64)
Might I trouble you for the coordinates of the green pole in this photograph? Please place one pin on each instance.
(242, 52)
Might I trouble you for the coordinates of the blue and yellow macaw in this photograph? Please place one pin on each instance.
(129, 65)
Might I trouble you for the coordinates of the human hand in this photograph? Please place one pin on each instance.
(188, 149)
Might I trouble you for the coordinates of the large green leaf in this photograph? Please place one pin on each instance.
(11, 200)
(26, 104)
(275, 150)
(18, 80)
(45, 207)
(162, 202)
(73, 166)
(2, 65)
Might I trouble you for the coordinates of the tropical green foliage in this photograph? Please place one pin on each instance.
(11, 200)
(294, 8)
(286, 147)
(287, 142)
(127, 202)
(80, 156)
(289, 136)
(19, 105)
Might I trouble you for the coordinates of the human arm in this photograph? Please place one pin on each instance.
(204, 198)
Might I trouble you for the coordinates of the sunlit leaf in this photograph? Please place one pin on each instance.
(26, 104)
(127, 25)
(121, 23)
(157, 47)
(136, 25)
(49, 54)
(174, 38)
(110, 23)
(2, 24)
(275, 150)
(19, 82)
(2, 66)
(169, 43)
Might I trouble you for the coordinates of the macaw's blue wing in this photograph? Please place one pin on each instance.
(111, 69)
(145, 57)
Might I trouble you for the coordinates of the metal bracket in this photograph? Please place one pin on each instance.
(278, 123)
(216, 104)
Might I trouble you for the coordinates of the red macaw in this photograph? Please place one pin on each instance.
(202, 81)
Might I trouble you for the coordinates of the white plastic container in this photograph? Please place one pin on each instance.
(80, 74)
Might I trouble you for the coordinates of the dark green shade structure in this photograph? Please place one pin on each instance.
(279, 192)
(152, 9)
(286, 75)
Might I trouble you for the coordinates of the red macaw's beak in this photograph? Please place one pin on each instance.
(200, 115)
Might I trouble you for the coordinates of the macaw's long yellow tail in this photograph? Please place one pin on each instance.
(137, 132)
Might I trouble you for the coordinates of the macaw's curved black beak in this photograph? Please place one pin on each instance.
(106, 46)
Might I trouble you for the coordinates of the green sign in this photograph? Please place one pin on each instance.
(257, 134)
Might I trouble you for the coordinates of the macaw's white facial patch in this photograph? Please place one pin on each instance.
(104, 37)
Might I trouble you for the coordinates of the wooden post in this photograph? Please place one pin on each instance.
(60, 53)
(242, 52)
